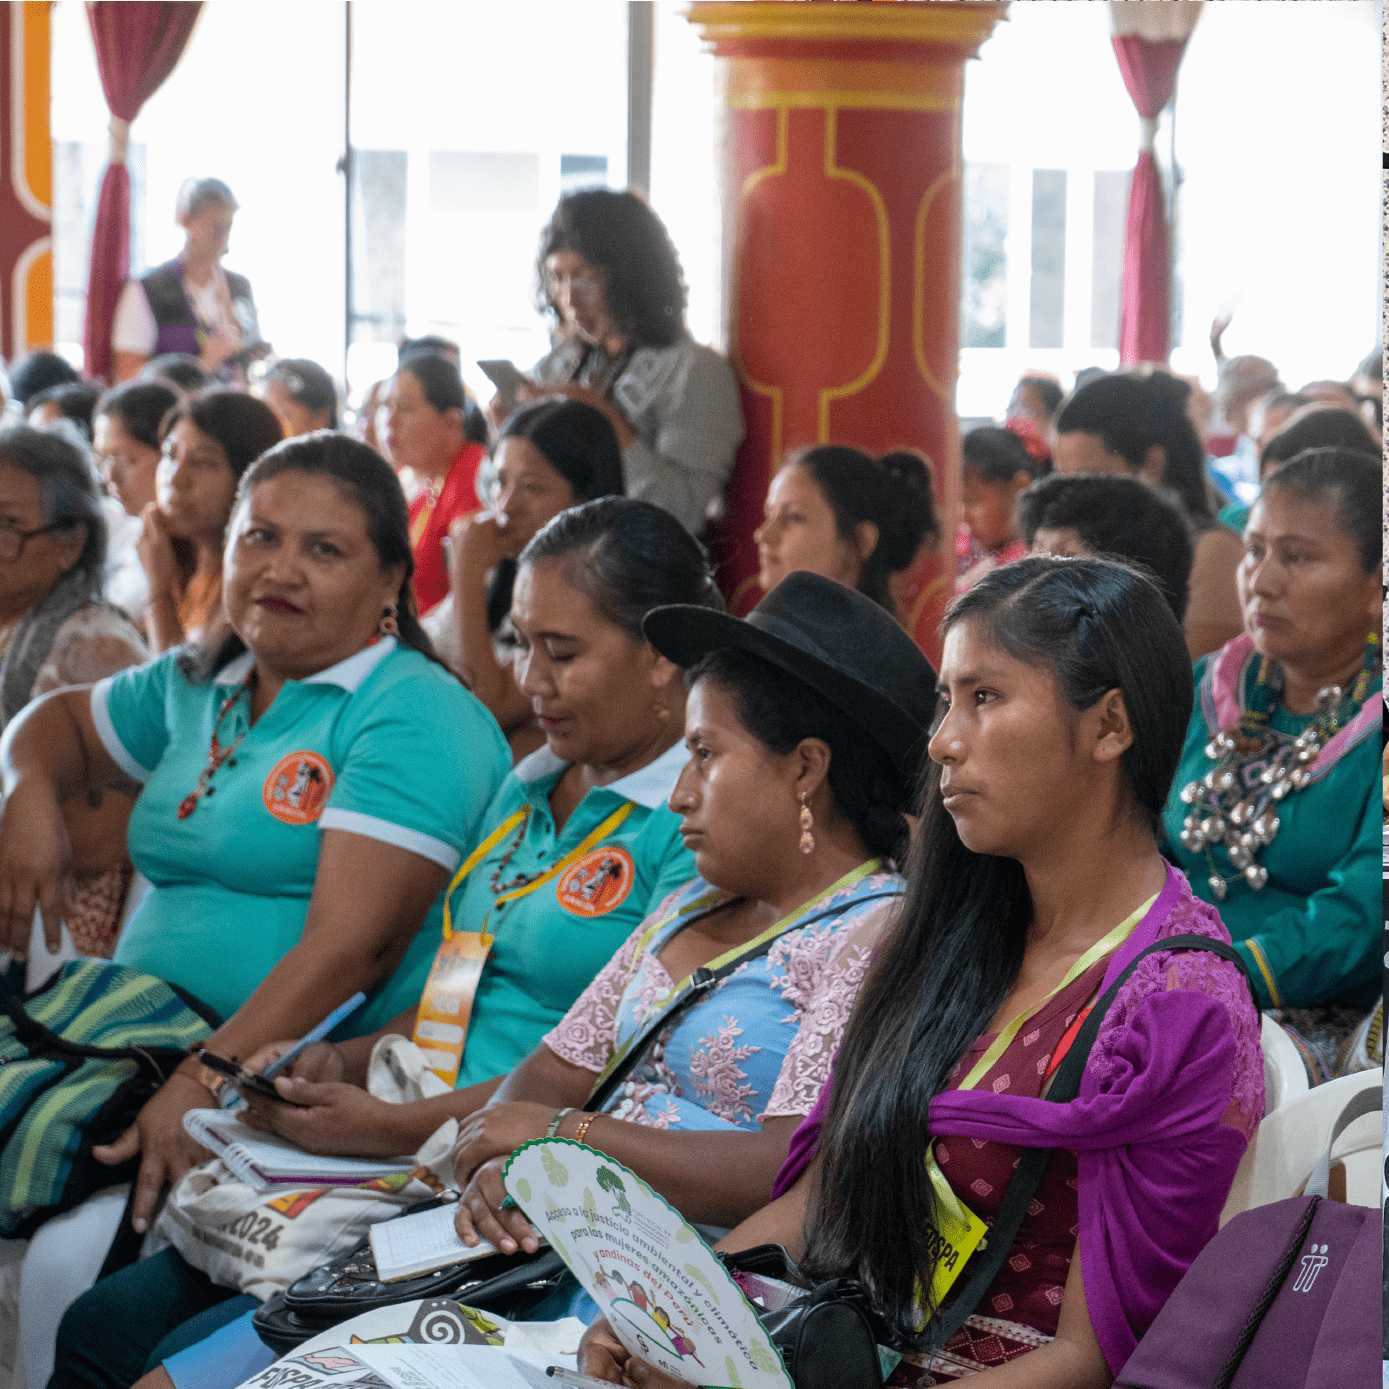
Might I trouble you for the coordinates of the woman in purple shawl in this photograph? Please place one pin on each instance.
(1065, 691)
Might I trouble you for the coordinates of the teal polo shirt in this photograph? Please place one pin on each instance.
(550, 943)
(386, 744)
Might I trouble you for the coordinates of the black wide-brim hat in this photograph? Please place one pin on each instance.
(839, 642)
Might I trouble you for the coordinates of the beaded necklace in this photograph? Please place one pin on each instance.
(217, 755)
(521, 879)
(1229, 808)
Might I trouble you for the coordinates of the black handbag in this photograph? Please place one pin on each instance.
(504, 1283)
(829, 1336)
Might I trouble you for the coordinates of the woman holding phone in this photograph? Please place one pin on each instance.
(610, 277)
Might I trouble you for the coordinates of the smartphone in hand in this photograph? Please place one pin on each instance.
(505, 377)
(247, 1082)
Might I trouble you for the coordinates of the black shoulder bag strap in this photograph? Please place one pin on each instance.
(701, 982)
(1028, 1174)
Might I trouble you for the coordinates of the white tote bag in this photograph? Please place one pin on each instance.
(259, 1242)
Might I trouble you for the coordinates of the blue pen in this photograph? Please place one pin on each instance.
(316, 1034)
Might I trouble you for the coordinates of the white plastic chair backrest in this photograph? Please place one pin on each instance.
(1288, 1144)
(1285, 1077)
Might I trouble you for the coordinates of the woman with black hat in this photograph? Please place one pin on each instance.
(806, 725)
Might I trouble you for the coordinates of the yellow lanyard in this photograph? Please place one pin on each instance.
(1112, 941)
(497, 835)
(747, 948)
(446, 1005)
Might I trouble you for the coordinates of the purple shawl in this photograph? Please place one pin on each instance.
(1172, 1088)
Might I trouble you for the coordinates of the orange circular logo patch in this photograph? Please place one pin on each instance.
(598, 883)
(298, 788)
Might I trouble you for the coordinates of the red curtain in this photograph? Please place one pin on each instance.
(1150, 74)
(137, 46)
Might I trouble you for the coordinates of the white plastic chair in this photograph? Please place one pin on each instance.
(1285, 1077)
(1290, 1140)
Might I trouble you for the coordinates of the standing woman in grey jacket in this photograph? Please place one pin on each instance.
(609, 275)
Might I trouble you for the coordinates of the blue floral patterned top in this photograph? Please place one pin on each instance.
(760, 1043)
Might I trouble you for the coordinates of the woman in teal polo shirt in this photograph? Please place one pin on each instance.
(592, 804)
(1292, 860)
(579, 843)
(304, 792)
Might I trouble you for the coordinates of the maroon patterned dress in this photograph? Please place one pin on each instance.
(1019, 1310)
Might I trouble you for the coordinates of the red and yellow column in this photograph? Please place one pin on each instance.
(26, 180)
(841, 169)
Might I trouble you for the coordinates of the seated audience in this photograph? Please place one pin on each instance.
(551, 455)
(1314, 426)
(613, 711)
(301, 394)
(424, 430)
(805, 736)
(611, 278)
(1035, 879)
(72, 402)
(209, 441)
(179, 370)
(55, 630)
(837, 511)
(1134, 425)
(190, 305)
(299, 806)
(1093, 516)
(1289, 849)
(996, 468)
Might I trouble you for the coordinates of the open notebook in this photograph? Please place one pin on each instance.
(265, 1161)
(421, 1243)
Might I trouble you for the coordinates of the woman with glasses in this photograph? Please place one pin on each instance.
(209, 441)
(611, 278)
(55, 630)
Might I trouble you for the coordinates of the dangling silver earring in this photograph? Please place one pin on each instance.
(807, 824)
(388, 626)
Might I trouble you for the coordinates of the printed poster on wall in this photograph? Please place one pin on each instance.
(667, 1297)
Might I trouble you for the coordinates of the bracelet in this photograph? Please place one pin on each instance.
(559, 1118)
(204, 1076)
(583, 1127)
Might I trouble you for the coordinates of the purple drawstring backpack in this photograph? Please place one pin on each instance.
(1286, 1296)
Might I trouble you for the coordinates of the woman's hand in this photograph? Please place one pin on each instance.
(332, 1117)
(483, 1214)
(166, 1151)
(603, 1356)
(478, 542)
(155, 547)
(322, 1061)
(497, 1131)
(35, 867)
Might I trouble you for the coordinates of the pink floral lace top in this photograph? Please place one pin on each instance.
(760, 1043)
